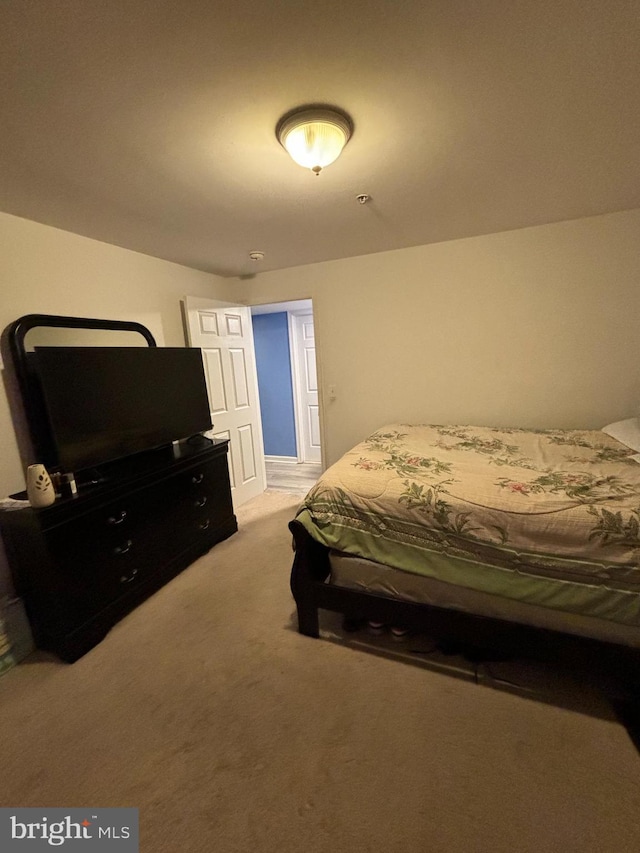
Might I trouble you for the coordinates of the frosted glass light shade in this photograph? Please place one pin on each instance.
(314, 138)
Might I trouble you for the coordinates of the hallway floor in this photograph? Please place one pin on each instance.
(296, 478)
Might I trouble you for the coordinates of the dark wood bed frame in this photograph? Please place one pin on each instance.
(477, 636)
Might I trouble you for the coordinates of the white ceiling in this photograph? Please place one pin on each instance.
(150, 124)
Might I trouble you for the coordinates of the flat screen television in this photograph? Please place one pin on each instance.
(106, 403)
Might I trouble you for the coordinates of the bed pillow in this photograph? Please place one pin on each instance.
(627, 432)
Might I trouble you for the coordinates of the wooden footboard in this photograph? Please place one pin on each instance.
(309, 572)
(474, 635)
(312, 591)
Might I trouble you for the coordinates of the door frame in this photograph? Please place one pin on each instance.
(301, 305)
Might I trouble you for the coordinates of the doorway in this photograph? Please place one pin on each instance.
(284, 339)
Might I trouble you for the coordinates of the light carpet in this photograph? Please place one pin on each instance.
(231, 732)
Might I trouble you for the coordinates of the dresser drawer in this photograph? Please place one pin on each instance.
(103, 554)
(200, 497)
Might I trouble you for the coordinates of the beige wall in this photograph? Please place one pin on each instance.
(536, 327)
(48, 271)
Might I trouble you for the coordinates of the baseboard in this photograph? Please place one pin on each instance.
(293, 459)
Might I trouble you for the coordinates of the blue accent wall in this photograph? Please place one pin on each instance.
(273, 363)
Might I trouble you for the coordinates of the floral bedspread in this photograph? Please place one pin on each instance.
(551, 516)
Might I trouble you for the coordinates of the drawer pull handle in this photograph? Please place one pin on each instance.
(117, 519)
(128, 578)
(201, 501)
(196, 480)
(119, 550)
(204, 524)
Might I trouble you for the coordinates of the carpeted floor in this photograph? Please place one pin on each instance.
(230, 732)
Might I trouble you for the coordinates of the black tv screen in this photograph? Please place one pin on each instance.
(104, 403)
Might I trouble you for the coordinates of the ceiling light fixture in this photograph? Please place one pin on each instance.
(314, 136)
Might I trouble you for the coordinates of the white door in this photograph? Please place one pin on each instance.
(225, 335)
(304, 343)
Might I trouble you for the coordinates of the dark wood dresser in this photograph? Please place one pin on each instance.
(84, 562)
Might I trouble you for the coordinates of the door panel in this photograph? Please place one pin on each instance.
(314, 426)
(310, 368)
(215, 380)
(240, 381)
(247, 449)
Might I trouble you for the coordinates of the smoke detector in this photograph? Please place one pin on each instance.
(256, 256)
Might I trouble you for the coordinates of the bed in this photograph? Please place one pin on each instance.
(478, 533)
